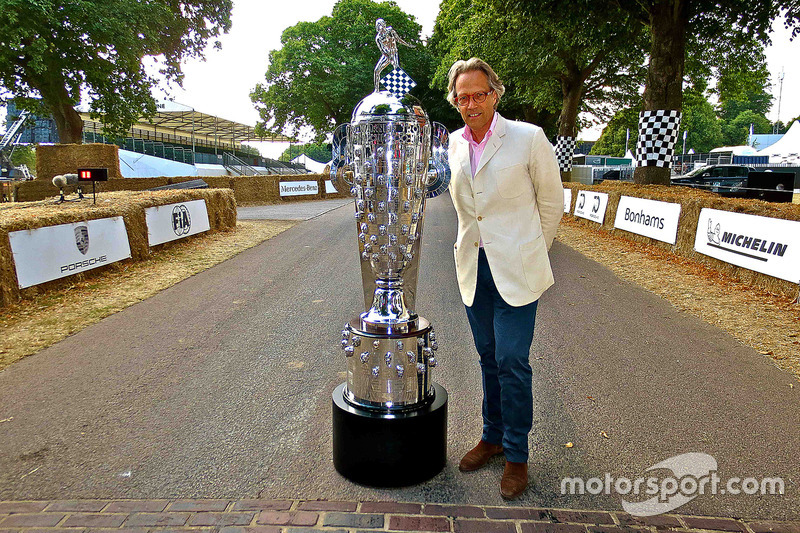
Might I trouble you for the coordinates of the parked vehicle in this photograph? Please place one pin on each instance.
(740, 181)
(727, 180)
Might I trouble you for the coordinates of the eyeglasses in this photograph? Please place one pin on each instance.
(478, 98)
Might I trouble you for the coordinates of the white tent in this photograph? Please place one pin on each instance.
(629, 155)
(736, 150)
(786, 150)
(310, 164)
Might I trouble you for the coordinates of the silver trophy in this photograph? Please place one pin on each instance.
(390, 158)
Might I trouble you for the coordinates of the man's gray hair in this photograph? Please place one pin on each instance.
(471, 65)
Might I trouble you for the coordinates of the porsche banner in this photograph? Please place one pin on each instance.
(53, 252)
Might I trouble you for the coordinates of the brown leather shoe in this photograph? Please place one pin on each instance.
(515, 480)
(479, 456)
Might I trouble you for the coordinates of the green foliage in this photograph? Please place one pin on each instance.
(324, 68)
(24, 154)
(612, 140)
(319, 152)
(550, 65)
(56, 50)
(736, 132)
(700, 122)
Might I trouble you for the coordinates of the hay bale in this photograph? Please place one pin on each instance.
(52, 160)
(692, 201)
(221, 206)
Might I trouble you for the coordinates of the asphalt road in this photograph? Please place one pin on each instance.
(220, 387)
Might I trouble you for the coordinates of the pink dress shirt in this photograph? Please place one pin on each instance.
(476, 148)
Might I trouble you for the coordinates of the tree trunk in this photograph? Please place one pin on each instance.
(572, 91)
(68, 122)
(664, 89)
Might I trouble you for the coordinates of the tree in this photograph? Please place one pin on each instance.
(324, 68)
(550, 63)
(55, 51)
(736, 132)
(623, 125)
(699, 121)
(706, 25)
(319, 152)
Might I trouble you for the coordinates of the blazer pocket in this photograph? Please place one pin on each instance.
(512, 181)
(536, 263)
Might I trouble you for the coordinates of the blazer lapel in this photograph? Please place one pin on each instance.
(493, 144)
(462, 154)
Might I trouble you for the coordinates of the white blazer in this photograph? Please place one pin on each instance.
(514, 203)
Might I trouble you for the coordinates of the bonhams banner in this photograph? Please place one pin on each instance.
(767, 245)
(53, 252)
(651, 218)
(174, 221)
(591, 205)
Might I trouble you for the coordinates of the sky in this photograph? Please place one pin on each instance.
(221, 84)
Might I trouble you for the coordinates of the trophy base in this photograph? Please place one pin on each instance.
(389, 449)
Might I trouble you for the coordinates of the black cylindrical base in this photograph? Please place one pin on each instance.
(389, 449)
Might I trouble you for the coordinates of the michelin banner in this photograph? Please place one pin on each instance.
(651, 218)
(767, 245)
(53, 252)
(175, 221)
(591, 205)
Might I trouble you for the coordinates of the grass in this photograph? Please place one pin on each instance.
(44, 319)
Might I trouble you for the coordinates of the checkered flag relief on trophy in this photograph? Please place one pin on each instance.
(565, 148)
(658, 132)
(398, 82)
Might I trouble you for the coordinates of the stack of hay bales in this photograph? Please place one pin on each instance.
(220, 204)
(691, 201)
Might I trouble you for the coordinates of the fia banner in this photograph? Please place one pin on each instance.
(175, 221)
(53, 252)
(767, 245)
(591, 205)
(567, 200)
(651, 218)
(298, 188)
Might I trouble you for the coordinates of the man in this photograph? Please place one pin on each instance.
(507, 191)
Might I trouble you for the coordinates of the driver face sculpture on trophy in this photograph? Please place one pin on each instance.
(389, 417)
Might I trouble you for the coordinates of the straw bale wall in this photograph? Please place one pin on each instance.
(246, 189)
(52, 160)
(691, 201)
(220, 204)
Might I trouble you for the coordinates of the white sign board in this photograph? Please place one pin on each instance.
(591, 205)
(329, 188)
(175, 221)
(567, 200)
(767, 245)
(651, 218)
(298, 188)
(53, 252)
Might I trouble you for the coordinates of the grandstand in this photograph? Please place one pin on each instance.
(177, 141)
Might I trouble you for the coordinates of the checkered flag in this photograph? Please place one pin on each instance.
(658, 132)
(398, 82)
(565, 148)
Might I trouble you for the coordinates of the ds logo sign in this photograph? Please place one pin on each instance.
(181, 221)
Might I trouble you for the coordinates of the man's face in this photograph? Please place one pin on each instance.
(477, 116)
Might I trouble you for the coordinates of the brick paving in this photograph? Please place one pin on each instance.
(308, 516)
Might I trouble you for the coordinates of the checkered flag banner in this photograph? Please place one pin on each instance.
(658, 132)
(398, 82)
(565, 148)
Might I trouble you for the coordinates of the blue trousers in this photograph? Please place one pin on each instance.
(503, 336)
